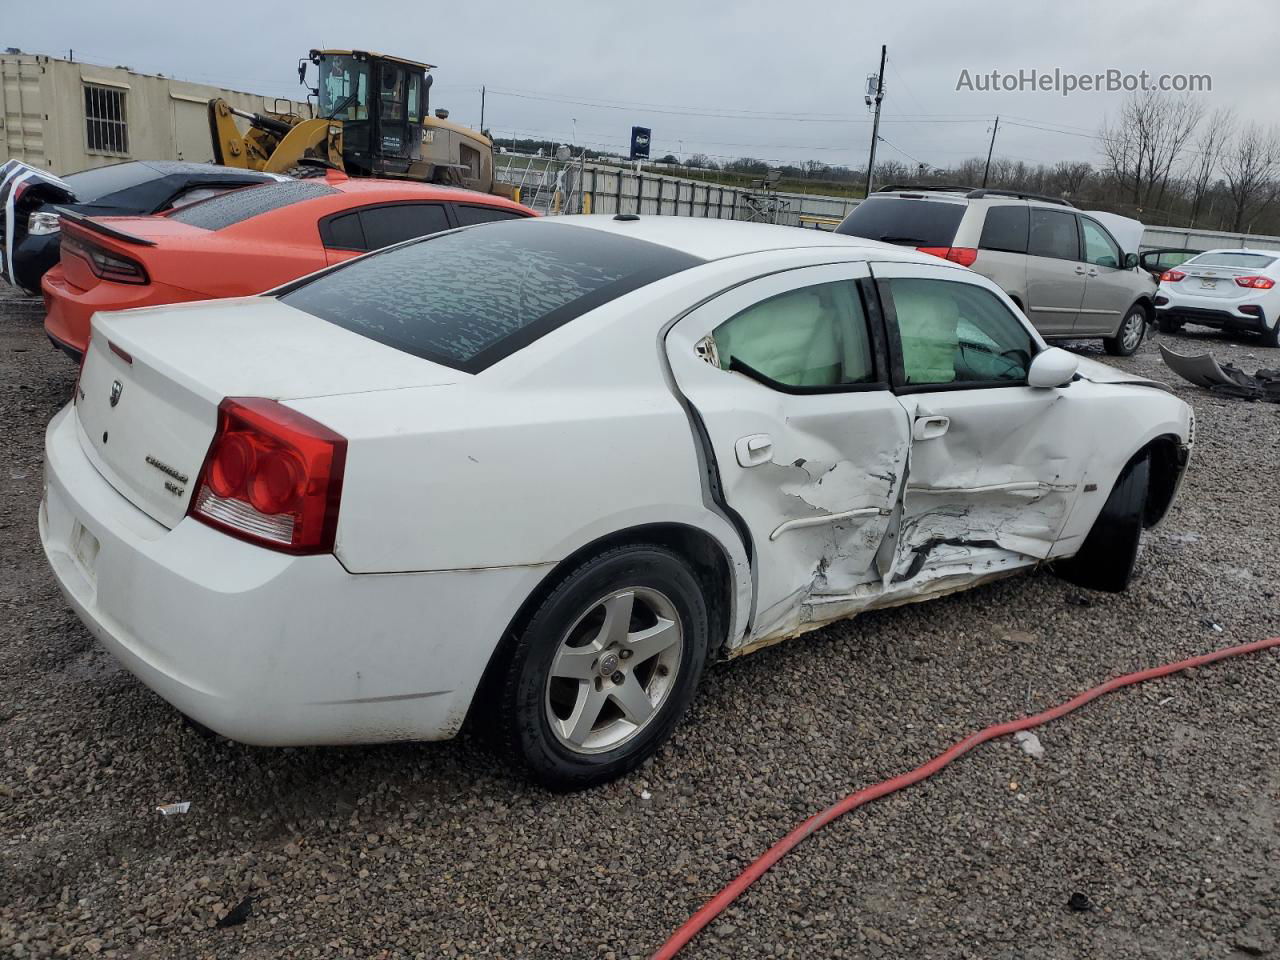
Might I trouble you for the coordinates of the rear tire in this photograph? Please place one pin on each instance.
(1129, 337)
(1169, 325)
(1106, 560)
(1271, 336)
(605, 668)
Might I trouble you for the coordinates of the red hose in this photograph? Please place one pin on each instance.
(691, 927)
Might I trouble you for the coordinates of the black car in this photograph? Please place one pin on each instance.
(121, 189)
(1157, 261)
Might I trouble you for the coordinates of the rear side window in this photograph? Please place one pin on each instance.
(469, 298)
(344, 232)
(468, 215)
(916, 223)
(1006, 228)
(237, 206)
(384, 226)
(812, 338)
(1053, 234)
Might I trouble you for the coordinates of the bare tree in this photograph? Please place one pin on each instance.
(1070, 176)
(1204, 159)
(1143, 146)
(1249, 168)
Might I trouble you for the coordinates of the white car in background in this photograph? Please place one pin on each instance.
(1225, 289)
(542, 471)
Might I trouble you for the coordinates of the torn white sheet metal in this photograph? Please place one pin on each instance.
(170, 809)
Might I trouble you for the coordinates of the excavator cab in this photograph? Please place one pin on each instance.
(380, 102)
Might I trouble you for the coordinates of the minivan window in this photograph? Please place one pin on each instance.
(916, 223)
(1053, 234)
(467, 299)
(1099, 248)
(1005, 229)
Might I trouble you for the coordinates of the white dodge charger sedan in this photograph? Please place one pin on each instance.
(541, 472)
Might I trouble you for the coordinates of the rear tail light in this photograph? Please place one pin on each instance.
(1171, 276)
(965, 256)
(104, 263)
(1255, 283)
(272, 476)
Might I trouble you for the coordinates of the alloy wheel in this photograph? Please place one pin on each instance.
(613, 670)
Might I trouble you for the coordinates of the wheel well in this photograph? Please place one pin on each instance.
(700, 549)
(1168, 459)
(1147, 306)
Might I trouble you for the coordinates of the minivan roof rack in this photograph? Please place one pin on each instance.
(1018, 194)
(942, 187)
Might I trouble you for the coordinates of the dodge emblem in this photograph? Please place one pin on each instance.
(116, 389)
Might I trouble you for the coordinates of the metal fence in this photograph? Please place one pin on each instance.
(555, 186)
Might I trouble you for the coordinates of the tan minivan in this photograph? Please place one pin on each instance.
(1059, 264)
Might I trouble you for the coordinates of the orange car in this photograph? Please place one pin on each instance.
(242, 243)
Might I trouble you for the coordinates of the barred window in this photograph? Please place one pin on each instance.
(104, 117)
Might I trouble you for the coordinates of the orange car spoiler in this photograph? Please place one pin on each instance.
(86, 223)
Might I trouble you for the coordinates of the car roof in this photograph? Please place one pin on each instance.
(1251, 250)
(172, 167)
(710, 239)
(414, 189)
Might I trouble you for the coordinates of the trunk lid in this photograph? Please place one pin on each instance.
(147, 400)
(1214, 281)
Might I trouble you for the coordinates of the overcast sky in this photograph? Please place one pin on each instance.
(713, 78)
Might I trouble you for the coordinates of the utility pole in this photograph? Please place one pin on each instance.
(482, 108)
(875, 126)
(987, 169)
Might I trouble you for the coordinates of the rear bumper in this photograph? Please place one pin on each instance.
(263, 647)
(1222, 316)
(69, 309)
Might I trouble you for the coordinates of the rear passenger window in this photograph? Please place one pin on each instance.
(1053, 234)
(957, 333)
(469, 215)
(1006, 229)
(384, 226)
(344, 232)
(813, 337)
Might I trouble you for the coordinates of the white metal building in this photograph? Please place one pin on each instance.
(63, 116)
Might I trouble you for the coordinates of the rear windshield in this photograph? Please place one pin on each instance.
(469, 298)
(917, 223)
(236, 206)
(92, 185)
(1251, 261)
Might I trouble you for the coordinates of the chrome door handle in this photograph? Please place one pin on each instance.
(927, 428)
(754, 450)
(1079, 270)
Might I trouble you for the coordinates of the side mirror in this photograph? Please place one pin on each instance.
(1053, 367)
(1130, 261)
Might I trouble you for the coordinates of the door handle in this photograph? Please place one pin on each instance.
(754, 450)
(927, 428)
(1079, 270)
(1093, 273)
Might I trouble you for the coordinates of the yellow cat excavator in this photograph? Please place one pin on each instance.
(369, 118)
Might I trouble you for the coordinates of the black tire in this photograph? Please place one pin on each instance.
(1169, 325)
(1110, 551)
(1124, 343)
(525, 701)
(1271, 336)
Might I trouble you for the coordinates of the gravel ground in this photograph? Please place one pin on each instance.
(1159, 804)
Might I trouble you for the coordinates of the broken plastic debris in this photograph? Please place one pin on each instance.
(1030, 744)
(646, 795)
(1215, 627)
(237, 914)
(1080, 902)
(1205, 371)
(1165, 701)
(169, 809)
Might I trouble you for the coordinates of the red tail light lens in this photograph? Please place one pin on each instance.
(965, 256)
(272, 476)
(1255, 283)
(104, 263)
(1171, 276)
